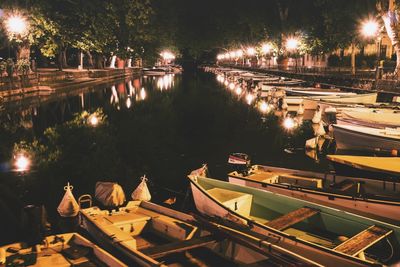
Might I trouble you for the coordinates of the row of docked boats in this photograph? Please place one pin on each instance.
(359, 122)
(263, 216)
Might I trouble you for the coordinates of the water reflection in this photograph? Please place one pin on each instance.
(40, 111)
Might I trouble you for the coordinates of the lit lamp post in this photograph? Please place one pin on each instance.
(291, 45)
(17, 28)
(266, 50)
(370, 29)
(251, 53)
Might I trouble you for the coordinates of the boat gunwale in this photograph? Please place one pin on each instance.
(279, 233)
(362, 167)
(394, 202)
(364, 133)
(110, 240)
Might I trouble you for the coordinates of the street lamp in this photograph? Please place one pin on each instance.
(16, 25)
(292, 44)
(370, 29)
(22, 162)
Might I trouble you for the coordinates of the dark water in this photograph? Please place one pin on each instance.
(163, 127)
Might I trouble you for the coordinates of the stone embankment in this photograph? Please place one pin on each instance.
(52, 80)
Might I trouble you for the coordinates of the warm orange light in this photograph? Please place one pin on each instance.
(370, 28)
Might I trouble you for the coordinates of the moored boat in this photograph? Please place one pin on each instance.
(154, 71)
(389, 165)
(150, 235)
(370, 197)
(327, 101)
(70, 249)
(361, 138)
(328, 236)
(377, 118)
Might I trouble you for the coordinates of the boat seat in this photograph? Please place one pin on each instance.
(236, 201)
(168, 226)
(162, 250)
(363, 240)
(292, 218)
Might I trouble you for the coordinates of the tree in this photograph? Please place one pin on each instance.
(389, 11)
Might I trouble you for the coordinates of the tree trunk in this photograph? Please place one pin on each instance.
(397, 69)
(24, 50)
(60, 60)
(353, 59)
(64, 58)
(99, 61)
(90, 59)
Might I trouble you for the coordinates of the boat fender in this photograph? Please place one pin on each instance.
(2, 256)
(300, 111)
(317, 117)
(330, 110)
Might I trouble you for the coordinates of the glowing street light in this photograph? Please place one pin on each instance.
(289, 123)
(166, 55)
(232, 54)
(264, 107)
(231, 86)
(249, 98)
(370, 28)
(266, 48)
(93, 120)
(292, 43)
(238, 90)
(16, 25)
(239, 53)
(251, 51)
(22, 162)
(142, 94)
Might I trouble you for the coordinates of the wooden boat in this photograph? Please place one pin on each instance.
(310, 91)
(313, 102)
(389, 165)
(284, 82)
(377, 118)
(369, 197)
(360, 138)
(154, 71)
(69, 249)
(328, 236)
(150, 235)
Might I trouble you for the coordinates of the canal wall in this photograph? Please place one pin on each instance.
(388, 88)
(51, 80)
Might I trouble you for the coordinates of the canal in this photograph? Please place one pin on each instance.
(161, 127)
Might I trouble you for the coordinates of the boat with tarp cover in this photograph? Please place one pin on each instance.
(369, 197)
(389, 165)
(326, 235)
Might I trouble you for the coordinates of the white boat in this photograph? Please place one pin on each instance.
(62, 250)
(361, 138)
(328, 236)
(327, 101)
(154, 71)
(316, 92)
(149, 235)
(371, 117)
(368, 197)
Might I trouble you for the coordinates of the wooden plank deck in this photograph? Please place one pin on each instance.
(363, 240)
(163, 250)
(292, 218)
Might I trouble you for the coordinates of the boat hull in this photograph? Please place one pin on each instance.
(356, 205)
(347, 139)
(209, 206)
